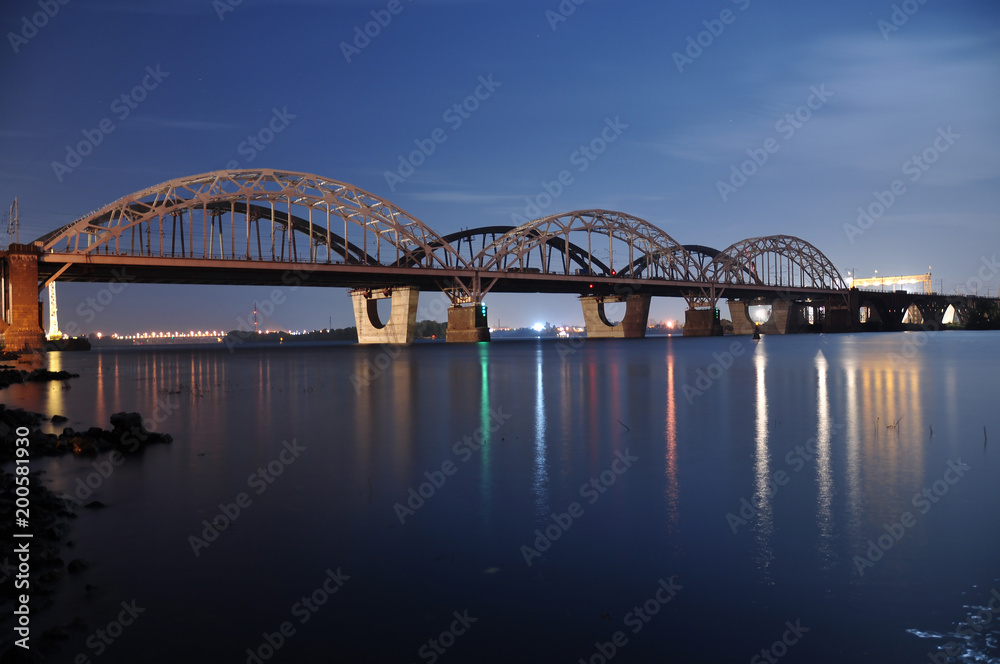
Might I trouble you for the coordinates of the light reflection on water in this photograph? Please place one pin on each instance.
(368, 442)
(824, 473)
(541, 475)
(763, 487)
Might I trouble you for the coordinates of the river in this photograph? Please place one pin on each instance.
(813, 498)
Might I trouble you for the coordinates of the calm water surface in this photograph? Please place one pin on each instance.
(705, 499)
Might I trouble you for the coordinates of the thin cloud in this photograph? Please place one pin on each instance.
(465, 197)
(186, 125)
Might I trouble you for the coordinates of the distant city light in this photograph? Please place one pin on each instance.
(538, 327)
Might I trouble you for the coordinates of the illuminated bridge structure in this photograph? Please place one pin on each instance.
(281, 228)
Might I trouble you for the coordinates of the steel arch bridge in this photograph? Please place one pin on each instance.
(780, 261)
(253, 226)
(283, 202)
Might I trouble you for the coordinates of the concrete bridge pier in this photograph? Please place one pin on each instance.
(927, 313)
(467, 323)
(840, 319)
(632, 326)
(739, 314)
(843, 314)
(778, 322)
(786, 317)
(402, 323)
(21, 325)
(702, 323)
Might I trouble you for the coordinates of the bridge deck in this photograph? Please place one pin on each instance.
(214, 271)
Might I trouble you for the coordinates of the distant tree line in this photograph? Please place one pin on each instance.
(425, 329)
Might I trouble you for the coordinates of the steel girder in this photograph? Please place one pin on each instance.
(336, 218)
(272, 215)
(633, 246)
(775, 260)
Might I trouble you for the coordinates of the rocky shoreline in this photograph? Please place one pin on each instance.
(127, 435)
(51, 513)
(11, 375)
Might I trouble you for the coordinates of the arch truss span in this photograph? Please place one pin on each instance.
(778, 261)
(261, 215)
(591, 243)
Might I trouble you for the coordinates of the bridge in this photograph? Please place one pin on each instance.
(271, 227)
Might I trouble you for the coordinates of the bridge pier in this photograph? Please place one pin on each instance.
(702, 323)
(931, 313)
(843, 314)
(787, 317)
(739, 314)
(840, 319)
(632, 326)
(402, 323)
(467, 324)
(21, 325)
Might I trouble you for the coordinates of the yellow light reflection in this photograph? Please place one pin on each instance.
(673, 487)
(885, 439)
(57, 402)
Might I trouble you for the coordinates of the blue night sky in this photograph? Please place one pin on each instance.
(904, 91)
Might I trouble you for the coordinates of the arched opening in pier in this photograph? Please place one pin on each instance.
(379, 311)
(611, 313)
(759, 313)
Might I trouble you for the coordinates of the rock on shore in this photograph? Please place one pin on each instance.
(127, 435)
(10, 375)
